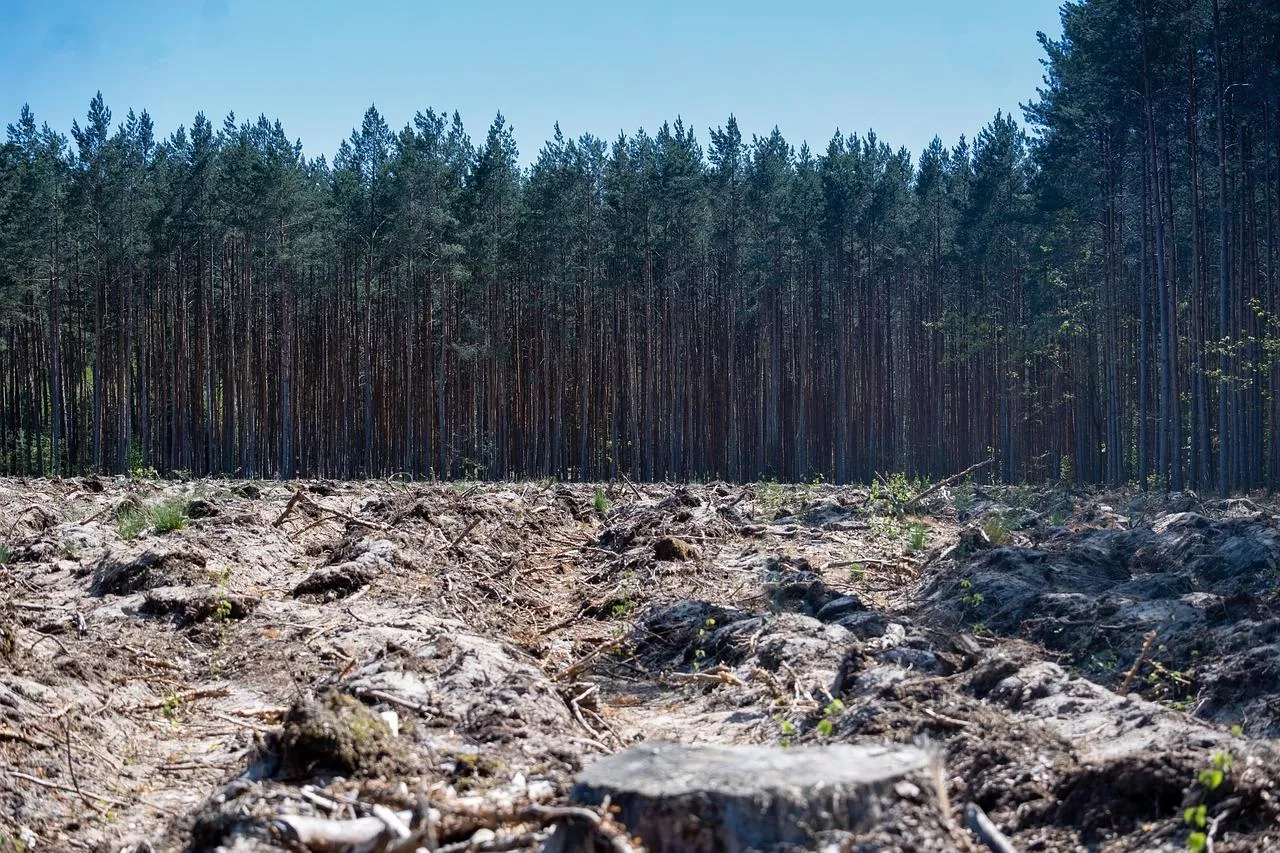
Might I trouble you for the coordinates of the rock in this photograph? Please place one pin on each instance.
(698, 799)
(670, 548)
(80, 537)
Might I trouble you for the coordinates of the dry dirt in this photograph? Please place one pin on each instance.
(1088, 668)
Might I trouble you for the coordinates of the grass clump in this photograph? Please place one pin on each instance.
(170, 515)
(917, 533)
(130, 523)
(997, 530)
(163, 517)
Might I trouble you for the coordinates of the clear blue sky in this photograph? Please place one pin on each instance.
(908, 70)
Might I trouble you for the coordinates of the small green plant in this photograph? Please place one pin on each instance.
(700, 654)
(130, 523)
(1210, 779)
(788, 730)
(222, 613)
(829, 714)
(997, 530)
(170, 705)
(169, 515)
(971, 598)
(1066, 471)
(770, 498)
(5, 554)
(916, 536)
(602, 503)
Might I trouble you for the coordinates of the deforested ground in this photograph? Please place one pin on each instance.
(243, 665)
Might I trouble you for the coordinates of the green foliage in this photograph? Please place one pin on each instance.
(602, 503)
(170, 515)
(1209, 779)
(971, 597)
(130, 523)
(997, 530)
(917, 533)
(770, 498)
(830, 712)
(5, 554)
(162, 517)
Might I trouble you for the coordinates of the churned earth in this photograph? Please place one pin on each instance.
(388, 665)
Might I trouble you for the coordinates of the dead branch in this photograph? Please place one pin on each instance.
(293, 501)
(982, 827)
(1147, 639)
(66, 789)
(463, 535)
(952, 480)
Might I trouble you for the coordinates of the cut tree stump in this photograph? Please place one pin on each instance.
(699, 799)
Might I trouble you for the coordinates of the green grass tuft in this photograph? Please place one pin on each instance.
(169, 515)
(130, 524)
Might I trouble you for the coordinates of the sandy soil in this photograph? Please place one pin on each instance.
(1089, 668)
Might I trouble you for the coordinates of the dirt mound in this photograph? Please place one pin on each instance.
(1197, 593)
(134, 570)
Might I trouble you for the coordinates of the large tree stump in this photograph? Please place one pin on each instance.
(699, 799)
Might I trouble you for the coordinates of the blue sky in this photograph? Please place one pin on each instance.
(908, 70)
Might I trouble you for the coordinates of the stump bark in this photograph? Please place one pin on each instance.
(699, 799)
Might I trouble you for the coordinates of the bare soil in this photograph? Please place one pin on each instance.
(455, 653)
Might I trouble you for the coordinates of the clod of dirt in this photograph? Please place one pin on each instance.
(337, 733)
(336, 581)
(670, 548)
(124, 573)
(196, 604)
(202, 508)
(699, 799)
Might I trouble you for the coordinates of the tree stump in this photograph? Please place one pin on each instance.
(699, 799)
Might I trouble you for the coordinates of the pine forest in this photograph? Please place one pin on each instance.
(1089, 292)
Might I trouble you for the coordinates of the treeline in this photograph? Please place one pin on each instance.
(1096, 302)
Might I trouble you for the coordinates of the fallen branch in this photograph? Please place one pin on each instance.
(184, 698)
(982, 827)
(463, 535)
(627, 480)
(293, 501)
(66, 789)
(952, 480)
(36, 743)
(574, 668)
